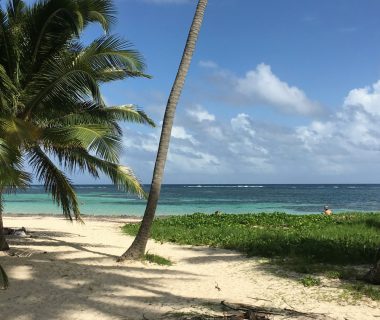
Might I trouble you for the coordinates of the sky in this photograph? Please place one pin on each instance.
(278, 91)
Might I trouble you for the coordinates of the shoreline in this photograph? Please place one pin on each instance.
(163, 216)
(60, 215)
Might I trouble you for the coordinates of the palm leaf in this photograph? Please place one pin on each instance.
(8, 92)
(51, 25)
(122, 176)
(129, 113)
(110, 53)
(92, 113)
(11, 174)
(55, 182)
(100, 139)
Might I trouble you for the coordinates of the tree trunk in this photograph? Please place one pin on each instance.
(373, 275)
(137, 249)
(3, 242)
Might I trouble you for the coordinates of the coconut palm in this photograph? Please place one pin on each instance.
(3, 278)
(52, 114)
(138, 246)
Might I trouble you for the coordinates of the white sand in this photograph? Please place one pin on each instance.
(68, 271)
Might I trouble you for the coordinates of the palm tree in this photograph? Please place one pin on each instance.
(3, 278)
(137, 249)
(11, 177)
(52, 114)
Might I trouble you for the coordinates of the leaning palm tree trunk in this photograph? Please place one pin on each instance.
(3, 242)
(138, 246)
(4, 282)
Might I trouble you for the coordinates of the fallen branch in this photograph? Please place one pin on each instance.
(261, 311)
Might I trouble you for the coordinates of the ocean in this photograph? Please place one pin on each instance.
(208, 198)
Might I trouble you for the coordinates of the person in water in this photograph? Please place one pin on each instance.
(327, 211)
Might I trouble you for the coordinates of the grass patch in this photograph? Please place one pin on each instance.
(154, 258)
(347, 238)
(309, 281)
(307, 266)
(358, 290)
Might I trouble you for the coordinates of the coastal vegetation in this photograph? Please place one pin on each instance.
(329, 246)
(137, 249)
(347, 238)
(311, 245)
(154, 258)
(52, 114)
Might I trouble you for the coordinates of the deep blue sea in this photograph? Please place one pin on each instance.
(187, 198)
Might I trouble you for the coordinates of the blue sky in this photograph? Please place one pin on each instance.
(278, 91)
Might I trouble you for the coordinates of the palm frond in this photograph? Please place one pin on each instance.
(12, 178)
(122, 176)
(5, 50)
(101, 11)
(92, 113)
(55, 182)
(8, 92)
(15, 9)
(19, 131)
(100, 139)
(129, 113)
(11, 174)
(51, 25)
(72, 159)
(60, 79)
(110, 53)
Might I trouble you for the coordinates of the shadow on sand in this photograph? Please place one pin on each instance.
(62, 284)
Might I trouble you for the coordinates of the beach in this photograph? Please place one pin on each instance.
(69, 271)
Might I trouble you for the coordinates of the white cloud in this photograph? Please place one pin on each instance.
(242, 123)
(180, 133)
(350, 140)
(190, 160)
(144, 142)
(261, 86)
(200, 114)
(208, 64)
(208, 148)
(354, 127)
(202, 148)
(167, 1)
(215, 132)
(368, 98)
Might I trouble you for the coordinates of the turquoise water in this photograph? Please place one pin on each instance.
(184, 199)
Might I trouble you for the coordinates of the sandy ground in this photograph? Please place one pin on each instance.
(68, 271)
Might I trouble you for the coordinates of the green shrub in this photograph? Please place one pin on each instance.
(153, 258)
(358, 290)
(309, 281)
(347, 238)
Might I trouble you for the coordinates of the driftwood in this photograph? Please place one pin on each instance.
(248, 312)
(264, 312)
